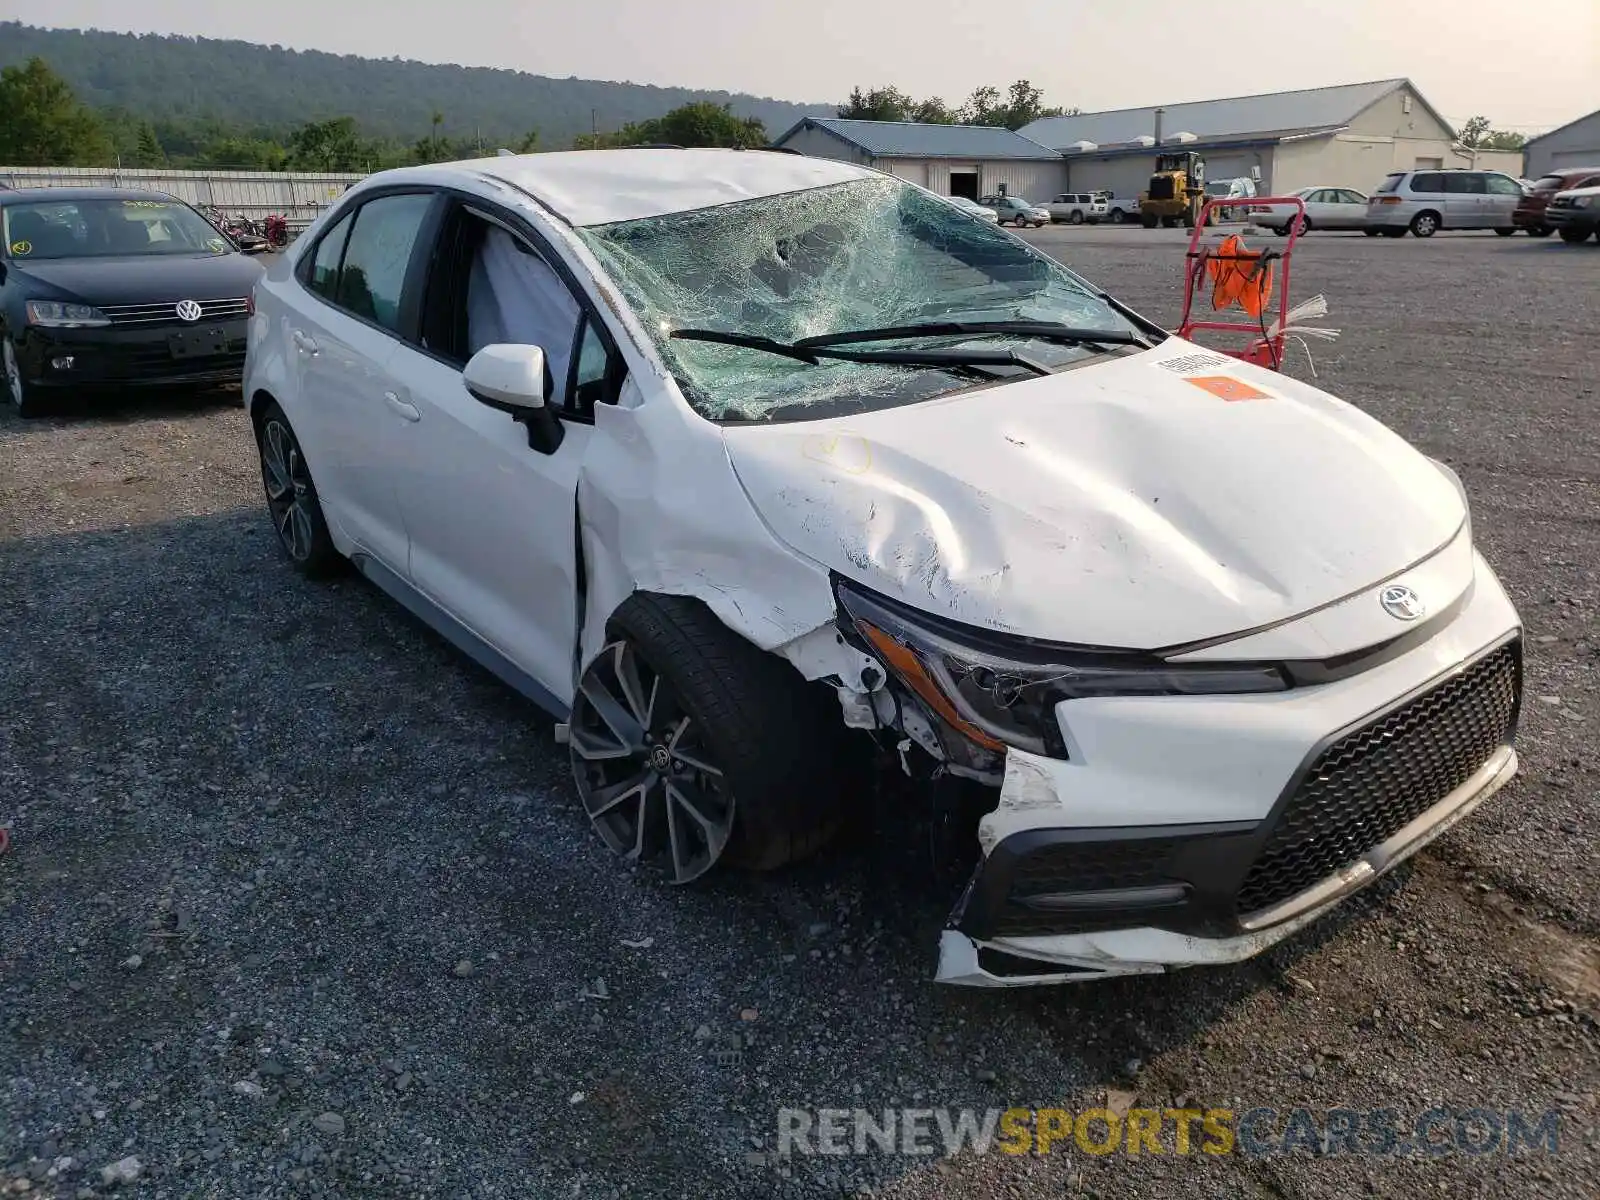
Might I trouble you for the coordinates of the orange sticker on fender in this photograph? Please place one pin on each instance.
(1225, 387)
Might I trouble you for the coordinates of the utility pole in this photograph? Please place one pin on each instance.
(594, 122)
(477, 133)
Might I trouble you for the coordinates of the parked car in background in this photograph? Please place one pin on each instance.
(1424, 202)
(1016, 210)
(976, 209)
(1076, 208)
(111, 286)
(730, 535)
(1529, 213)
(1224, 190)
(1575, 215)
(1325, 208)
(1120, 209)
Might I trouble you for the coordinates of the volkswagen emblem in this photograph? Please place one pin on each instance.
(1401, 603)
(189, 310)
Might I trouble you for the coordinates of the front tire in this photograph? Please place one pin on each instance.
(688, 741)
(1117, 216)
(24, 399)
(1148, 222)
(1424, 225)
(1076, 218)
(1574, 236)
(292, 497)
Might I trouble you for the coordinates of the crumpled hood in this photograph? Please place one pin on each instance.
(1150, 501)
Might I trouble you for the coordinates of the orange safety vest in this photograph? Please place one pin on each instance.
(1239, 277)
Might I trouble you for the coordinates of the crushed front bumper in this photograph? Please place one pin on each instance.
(1184, 831)
(1144, 950)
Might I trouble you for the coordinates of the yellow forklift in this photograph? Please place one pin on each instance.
(1177, 191)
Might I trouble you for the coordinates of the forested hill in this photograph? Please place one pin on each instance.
(179, 79)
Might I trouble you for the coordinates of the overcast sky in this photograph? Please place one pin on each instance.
(1527, 67)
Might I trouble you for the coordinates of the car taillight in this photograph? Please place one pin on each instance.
(1386, 200)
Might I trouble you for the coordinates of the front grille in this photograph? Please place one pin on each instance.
(1079, 867)
(1161, 188)
(166, 312)
(1371, 783)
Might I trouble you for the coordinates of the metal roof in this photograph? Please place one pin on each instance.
(1560, 129)
(912, 139)
(1278, 113)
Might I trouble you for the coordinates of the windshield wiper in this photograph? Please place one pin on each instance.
(1044, 331)
(808, 351)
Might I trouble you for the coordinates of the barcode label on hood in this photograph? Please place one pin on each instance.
(1188, 364)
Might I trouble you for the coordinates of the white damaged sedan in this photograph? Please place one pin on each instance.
(739, 462)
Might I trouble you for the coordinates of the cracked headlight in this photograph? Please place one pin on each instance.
(1002, 691)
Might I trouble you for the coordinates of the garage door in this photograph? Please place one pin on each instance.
(1575, 158)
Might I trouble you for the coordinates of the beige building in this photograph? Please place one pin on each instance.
(1347, 136)
(953, 160)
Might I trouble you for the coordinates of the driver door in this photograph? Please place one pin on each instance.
(492, 522)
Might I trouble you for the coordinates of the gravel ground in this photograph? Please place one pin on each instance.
(301, 902)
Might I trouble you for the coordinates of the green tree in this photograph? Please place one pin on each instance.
(148, 152)
(1476, 135)
(1022, 103)
(529, 143)
(878, 104)
(42, 124)
(328, 146)
(1472, 133)
(698, 124)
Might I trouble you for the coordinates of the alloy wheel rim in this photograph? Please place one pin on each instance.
(647, 780)
(288, 485)
(13, 373)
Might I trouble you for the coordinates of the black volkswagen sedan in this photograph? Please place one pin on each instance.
(108, 287)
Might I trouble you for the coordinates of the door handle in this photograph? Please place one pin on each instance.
(305, 342)
(406, 409)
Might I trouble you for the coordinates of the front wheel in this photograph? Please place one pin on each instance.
(1076, 218)
(1117, 217)
(292, 497)
(1148, 222)
(689, 743)
(1574, 236)
(24, 398)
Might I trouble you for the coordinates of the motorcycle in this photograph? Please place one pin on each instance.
(276, 230)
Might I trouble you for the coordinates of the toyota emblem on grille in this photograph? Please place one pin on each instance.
(189, 310)
(1401, 603)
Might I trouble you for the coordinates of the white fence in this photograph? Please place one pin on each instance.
(298, 196)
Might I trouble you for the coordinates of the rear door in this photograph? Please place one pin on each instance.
(345, 332)
(1501, 197)
(1348, 210)
(1465, 206)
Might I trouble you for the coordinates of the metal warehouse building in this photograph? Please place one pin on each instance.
(1576, 144)
(953, 160)
(1352, 136)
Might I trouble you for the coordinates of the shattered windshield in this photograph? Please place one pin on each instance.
(867, 254)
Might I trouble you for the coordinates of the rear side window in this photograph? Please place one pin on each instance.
(324, 275)
(376, 258)
(1427, 181)
(1391, 183)
(1547, 183)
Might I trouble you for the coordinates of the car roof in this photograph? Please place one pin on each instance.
(66, 194)
(596, 187)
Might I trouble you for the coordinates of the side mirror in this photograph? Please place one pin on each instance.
(511, 379)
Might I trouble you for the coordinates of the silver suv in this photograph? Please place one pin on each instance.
(1427, 201)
